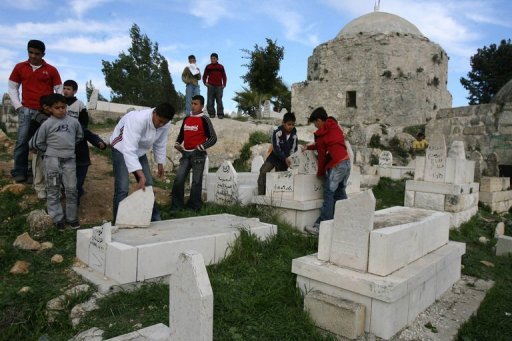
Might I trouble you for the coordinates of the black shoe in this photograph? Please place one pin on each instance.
(60, 225)
(220, 117)
(212, 116)
(20, 179)
(75, 225)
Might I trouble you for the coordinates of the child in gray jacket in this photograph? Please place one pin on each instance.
(57, 138)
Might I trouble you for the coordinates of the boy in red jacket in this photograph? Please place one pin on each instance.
(214, 78)
(333, 162)
(196, 135)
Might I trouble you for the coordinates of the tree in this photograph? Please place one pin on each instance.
(262, 78)
(491, 68)
(89, 87)
(142, 76)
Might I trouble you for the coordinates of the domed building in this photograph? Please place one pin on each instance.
(379, 69)
(504, 94)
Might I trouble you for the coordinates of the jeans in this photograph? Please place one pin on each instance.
(194, 160)
(191, 90)
(59, 170)
(334, 189)
(214, 93)
(22, 138)
(121, 181)
(38, 171)
(81, 173)
(262, 178)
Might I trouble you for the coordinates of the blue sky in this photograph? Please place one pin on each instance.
(79, 34)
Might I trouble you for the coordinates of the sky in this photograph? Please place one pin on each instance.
(79, 34)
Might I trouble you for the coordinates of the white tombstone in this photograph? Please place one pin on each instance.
(304, 162)
(101, 236)
(279, 182)
(435, 159)
(135, 210)
(256, 164)
(226, 184)
(93, 100)
(457, 150)
(385, 159)
(353, 222)
(266, 109)
(190, 300)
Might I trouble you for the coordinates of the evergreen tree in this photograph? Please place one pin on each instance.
(142, 76)
(491, 68)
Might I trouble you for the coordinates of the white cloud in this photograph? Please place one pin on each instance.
(210, 11)
(80, 7)
(25, 4)
(87, 45)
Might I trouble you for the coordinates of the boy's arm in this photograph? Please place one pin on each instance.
(38, 141)
(94, 139)
(205, 74)
(79, 133)
(209, 132)
(14, 94)
(276, 149)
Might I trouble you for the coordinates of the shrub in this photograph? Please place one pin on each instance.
(375, 142)
(387, 74)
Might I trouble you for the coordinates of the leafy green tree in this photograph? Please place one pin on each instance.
(142, 76)
(491, 68)
(262, 78)
(89, 87)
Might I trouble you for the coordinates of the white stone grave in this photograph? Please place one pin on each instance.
(229, 186)
(495, 192)
(226, 185)
(385, 159)
(386, 168)
(394, 262)
(135, 210)
(444, 183)
(134, 255)
(256, 164)
(190, 300)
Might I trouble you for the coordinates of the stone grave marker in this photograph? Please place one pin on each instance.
(353, 221)
(226, 184)
(101, 236)
(304, 162)
(492, 165)
(479, 164)
(279, 182)
(457, 150)
(135, 210)
(256, 164)
(190, 300)
(435, 159)
(385, 159)
(266, 109)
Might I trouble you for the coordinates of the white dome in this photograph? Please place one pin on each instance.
(378, 22)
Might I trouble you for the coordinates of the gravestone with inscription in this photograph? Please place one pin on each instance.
(444, 181)
(304, 162)
(379, 263)
(101, 236)
(226, 184)
(385, 159)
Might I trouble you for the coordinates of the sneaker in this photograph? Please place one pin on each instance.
(20, 179)
(212, 116)
(220, 117)
(314, 230)
(74, 225)
(60, 225)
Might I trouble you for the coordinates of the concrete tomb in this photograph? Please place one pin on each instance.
(444, 183)
(135, 255)
(376, 271)
(495, 192)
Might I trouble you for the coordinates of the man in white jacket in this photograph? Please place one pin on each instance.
(136, 133)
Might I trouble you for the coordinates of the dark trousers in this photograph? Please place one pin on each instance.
(194, 160)
(215, 93)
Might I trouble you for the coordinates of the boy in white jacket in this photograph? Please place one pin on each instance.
(136, 133)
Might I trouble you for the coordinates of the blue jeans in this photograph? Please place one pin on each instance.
(194, 160)
(121, 181)
(22, 138)
(215, 93)
(61, 170)
(81, 173)
(334, 189)
(191, 90)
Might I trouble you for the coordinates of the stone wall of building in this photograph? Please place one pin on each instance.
(399, 79)
(486, 128)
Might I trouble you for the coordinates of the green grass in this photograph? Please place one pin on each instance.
(255, 296)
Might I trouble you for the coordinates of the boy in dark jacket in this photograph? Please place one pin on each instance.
(76, 109)
(196, 135)
(333, 163)
(284, 143)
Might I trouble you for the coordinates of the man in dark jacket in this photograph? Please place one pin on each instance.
(333, 162)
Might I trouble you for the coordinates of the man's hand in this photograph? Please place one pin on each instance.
(288, 162)
(141, 179)
(102, 146)
(160, 170)
(179, 147)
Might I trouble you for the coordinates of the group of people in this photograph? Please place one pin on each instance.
(53, 123)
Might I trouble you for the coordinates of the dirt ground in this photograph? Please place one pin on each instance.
(96, 203)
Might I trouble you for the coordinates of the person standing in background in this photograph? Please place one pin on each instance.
(36, 78)
(214, 78)
(191, 76)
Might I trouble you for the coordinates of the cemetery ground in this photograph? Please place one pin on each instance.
(255, 297)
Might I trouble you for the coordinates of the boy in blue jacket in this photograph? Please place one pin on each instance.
(284, 143)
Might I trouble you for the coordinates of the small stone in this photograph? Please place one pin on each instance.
(499, 230)
(24, 290)
(57, 303)
(487, 263)
(46, 246)
(92, 334)
(39, 222)
(20, 268)
(57, 259)
(25, 242)
(14, 189)
(483, 240)
(74, 291)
